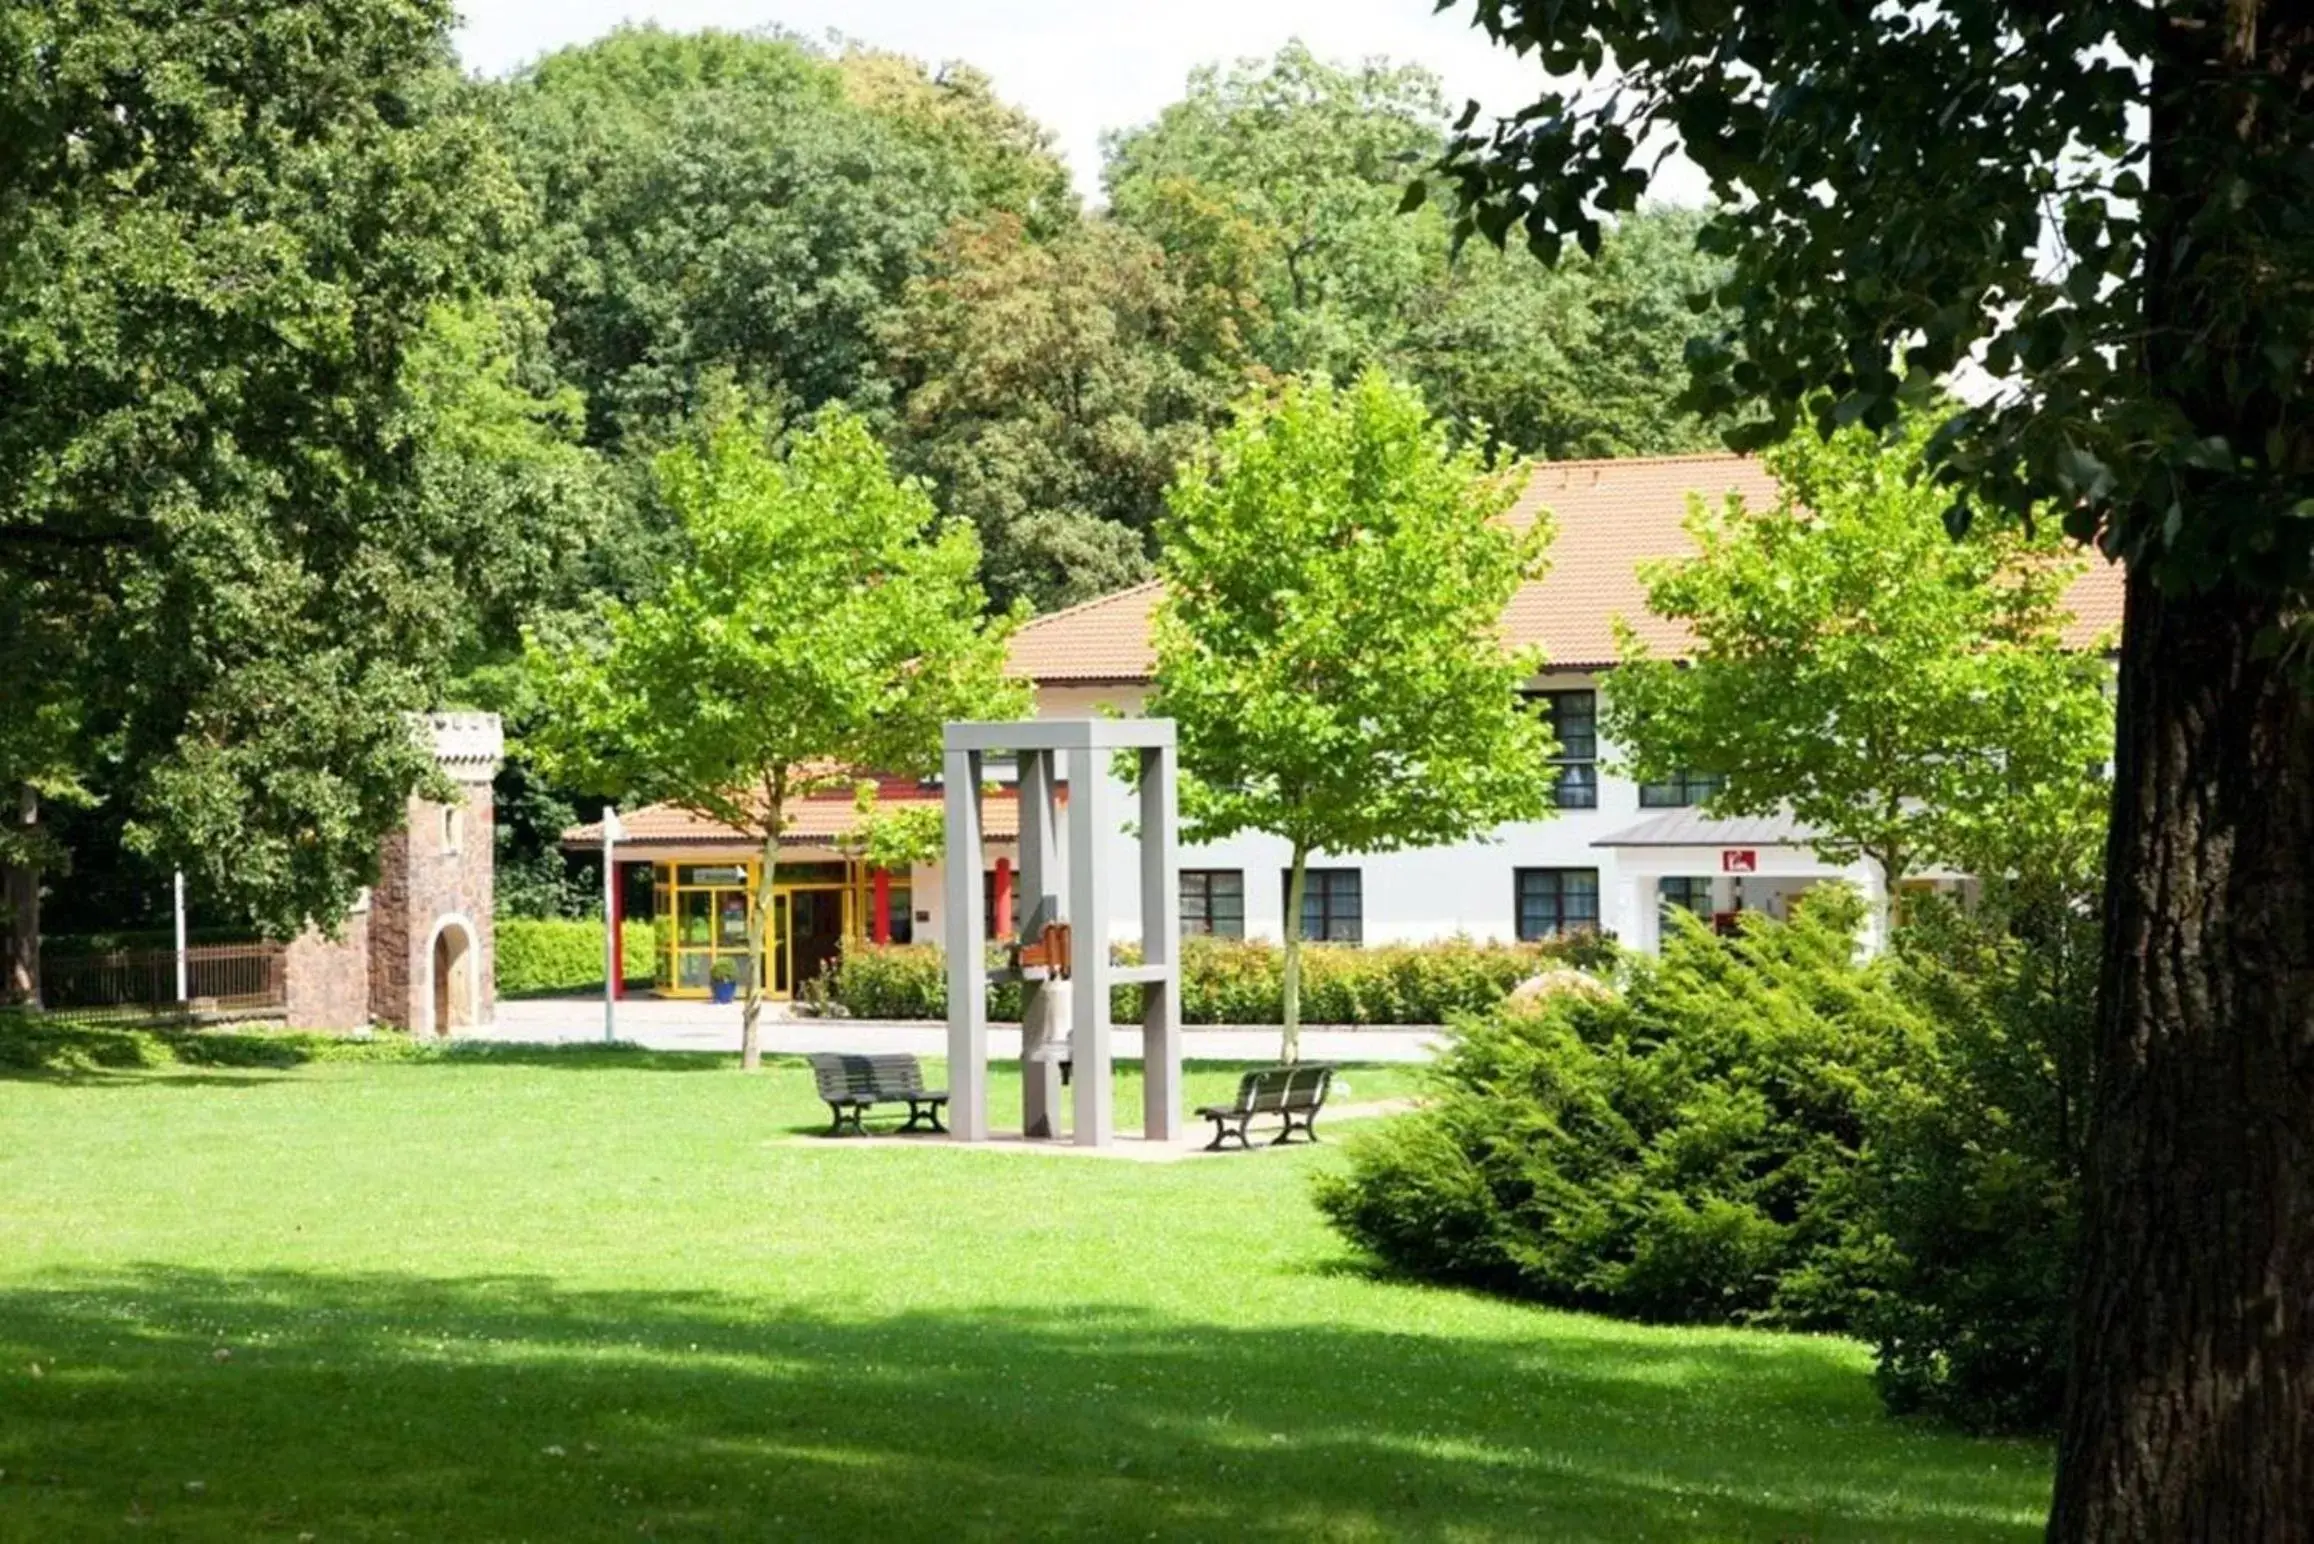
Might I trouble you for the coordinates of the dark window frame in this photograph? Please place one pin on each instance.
(1697, 889)
(1684, 791)
(1202, 920)
(1577, 737)
(1564, 919)
(1340, 897)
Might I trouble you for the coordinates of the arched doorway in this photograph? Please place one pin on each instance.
(453, 970)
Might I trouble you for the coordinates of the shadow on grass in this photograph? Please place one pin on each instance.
(485, 1408)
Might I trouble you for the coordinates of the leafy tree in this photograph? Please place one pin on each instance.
(2106, 204)
(1276, 189)
(1051, 389)
(1010, 165)
(1328, 642)
(827, 621)
(1308, 158)
(254, 263)
(722, 206)
(1907, 695)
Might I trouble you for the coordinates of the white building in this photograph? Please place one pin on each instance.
(1616, 852)
(1611, 858)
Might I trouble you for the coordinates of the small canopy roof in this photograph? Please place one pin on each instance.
(1693, 828)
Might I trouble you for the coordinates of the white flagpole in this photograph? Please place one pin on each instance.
(184, 993)
(611, 835)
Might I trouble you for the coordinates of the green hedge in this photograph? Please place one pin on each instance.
(547, 956)
(1236, 981)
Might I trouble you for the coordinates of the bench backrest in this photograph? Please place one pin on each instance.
(1297, 1088)
(841, 1075)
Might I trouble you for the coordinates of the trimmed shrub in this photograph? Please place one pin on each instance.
(544, 956)
(1765, 1130)
(1682, 1151)
(1239, 981)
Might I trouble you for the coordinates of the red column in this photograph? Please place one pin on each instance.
(880, 908)
(1003, 898)
(618, 940)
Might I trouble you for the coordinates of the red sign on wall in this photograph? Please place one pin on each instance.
(1739, 860)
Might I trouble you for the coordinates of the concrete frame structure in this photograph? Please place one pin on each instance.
(1083, 903)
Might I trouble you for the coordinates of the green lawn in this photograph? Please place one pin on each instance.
(569, 1296)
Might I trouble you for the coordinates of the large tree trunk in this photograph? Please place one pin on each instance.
(2191, 1408)
(20, 980)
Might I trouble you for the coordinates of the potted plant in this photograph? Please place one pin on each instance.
(723, 979)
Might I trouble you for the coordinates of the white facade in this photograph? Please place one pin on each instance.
(1471, 889)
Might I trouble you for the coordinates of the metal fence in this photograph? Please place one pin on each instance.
(142, 983)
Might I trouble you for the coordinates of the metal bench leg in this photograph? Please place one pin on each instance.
(842, 1120)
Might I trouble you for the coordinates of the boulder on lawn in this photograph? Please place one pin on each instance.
(1529, 998)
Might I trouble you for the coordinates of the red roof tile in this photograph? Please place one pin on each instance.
(1611, 516)
(812, 821)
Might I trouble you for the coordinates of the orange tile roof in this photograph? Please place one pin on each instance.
(812, 821)
(1611, 516)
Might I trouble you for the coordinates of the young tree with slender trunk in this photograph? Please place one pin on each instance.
(828, 621)
(1329, 643)
(1908, 697)
(2105, 206)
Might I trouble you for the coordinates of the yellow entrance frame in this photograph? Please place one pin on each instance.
(737, 878)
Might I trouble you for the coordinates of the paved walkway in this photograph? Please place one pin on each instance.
(663, 1025)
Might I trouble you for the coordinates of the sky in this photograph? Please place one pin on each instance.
(1078, 66)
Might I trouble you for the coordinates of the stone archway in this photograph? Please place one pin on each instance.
(452, 966)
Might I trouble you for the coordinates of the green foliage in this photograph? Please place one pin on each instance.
(542, 957)
(1276, 190)
(1329, 639)
(1766, 1130)
(827, 621)
(2017, 231)
(1973, 1177)
(1907, 695)
(1682, 1151)
(265, 470)
(724, 206)
(1050, 389)
(1242, 981)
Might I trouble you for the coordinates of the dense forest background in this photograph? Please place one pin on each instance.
(686, 225)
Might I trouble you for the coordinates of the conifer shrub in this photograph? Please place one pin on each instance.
(1684, 1150)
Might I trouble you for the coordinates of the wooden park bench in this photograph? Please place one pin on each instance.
(1285, 1092)
(852, 1085)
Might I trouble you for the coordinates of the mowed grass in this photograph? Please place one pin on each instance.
(556, 1296)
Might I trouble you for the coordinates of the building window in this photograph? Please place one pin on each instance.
(1688, 788)
(1332, 906)
(1213, 902)
(453, 829)
(1574, 720)
(1555, 902)
(1684, 892)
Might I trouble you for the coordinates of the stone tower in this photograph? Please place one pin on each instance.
(418, 952)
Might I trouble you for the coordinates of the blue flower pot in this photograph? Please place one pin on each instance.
(724, 990)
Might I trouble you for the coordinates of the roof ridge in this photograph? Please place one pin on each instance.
(1679, 458)
(1087, 605)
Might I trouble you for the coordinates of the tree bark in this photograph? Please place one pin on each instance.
(1297, 884)
(21, 900)
(2190, 1413)
(759, 919)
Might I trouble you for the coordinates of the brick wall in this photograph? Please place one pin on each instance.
(428, 874)
(329, 978)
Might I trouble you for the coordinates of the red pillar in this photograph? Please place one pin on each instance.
(618, 939)
(880, 908)
(1003, 898)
